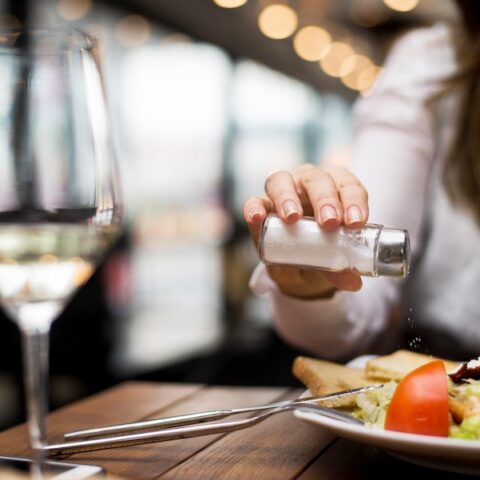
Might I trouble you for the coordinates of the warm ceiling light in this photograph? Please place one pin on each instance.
(72, 10)
(311, 43)
(277, 21)
(367, 77)
(132, 31)
(230, 3)
(348, 66)
(351, 79)
(334, 62)
(401, 5)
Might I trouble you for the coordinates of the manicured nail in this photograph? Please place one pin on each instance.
(354, 215)
(328, 213)
(255, 215)
(290, 209)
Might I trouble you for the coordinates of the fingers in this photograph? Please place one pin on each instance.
(281, 189)
(332, 195)
(320, 189)
(336, 195)
(353, 196)
(255, 210)
(313, 284)
(348, 281)
(306, 284)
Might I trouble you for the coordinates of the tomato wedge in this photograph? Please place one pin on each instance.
(420, 402)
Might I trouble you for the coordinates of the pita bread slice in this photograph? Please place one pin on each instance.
(396, 365)
(322, 377)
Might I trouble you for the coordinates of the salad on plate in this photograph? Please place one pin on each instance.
(421, 394)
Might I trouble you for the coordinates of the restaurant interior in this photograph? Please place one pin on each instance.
(206, 98)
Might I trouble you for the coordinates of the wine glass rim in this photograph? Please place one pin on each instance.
(45, 39)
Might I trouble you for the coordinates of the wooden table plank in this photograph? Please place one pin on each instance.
(278, 448)
(350, 460)
(127, 402)
(152, 460)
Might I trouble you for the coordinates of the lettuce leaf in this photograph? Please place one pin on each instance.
(372, 406)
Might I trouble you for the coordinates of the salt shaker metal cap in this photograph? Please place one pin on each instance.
(393, 253)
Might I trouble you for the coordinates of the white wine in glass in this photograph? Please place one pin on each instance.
(60, 206)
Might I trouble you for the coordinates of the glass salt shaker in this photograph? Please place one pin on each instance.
(373, 250)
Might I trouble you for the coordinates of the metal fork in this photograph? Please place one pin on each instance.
(189, 431)
(305, 404)
(190, 418)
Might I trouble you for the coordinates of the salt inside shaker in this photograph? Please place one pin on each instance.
(372, 250)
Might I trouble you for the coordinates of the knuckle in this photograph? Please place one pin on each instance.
(342, 175)
(313, 176)
(252, 201)
(337, 169)
(326, 198)
(303, 167)
(354, 189)
(248, 204)
(274, 177)
(283, 197)
(349, 181)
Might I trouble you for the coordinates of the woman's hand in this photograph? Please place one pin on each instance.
(334, 196)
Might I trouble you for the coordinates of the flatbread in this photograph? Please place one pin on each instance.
(322, 377)
(396, 365)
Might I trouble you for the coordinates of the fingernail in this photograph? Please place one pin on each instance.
(354, 215)
(255, 215)
(328, 213)
(290, 209)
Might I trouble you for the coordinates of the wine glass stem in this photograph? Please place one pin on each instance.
(35, 358)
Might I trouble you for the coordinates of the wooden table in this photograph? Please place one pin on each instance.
(281, 447)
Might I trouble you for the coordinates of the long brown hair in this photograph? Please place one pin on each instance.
(462, 168)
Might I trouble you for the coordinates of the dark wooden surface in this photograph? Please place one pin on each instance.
(280, 447)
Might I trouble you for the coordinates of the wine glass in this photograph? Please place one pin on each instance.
(60, 207)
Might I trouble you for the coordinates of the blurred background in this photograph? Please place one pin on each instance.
(206, 98)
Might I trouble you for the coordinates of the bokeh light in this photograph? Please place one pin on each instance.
(351, 79)
(133, 31)
(312, 43)
(72, 10)
(277, 21)
(367, 77)
(230, 3)
(335, 62)
(401, 5)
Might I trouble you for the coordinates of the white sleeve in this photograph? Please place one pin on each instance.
(392, 155)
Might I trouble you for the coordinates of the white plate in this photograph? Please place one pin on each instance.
(461, 456)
